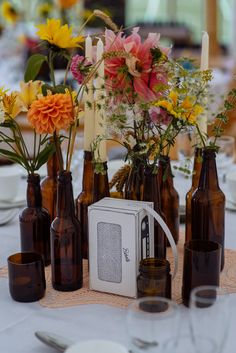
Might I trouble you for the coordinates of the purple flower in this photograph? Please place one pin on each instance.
(80, 67)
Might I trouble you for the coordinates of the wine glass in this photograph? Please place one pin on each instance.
(151, 321)
(225, 155)
(209, 318)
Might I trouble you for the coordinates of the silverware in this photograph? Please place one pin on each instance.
(55, 341)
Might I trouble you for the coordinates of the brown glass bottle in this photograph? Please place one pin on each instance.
(66, 249)
(134, 184)
(154, 278)
(84, 200)
(49, 186)
(151, 192)
(208, 204)
(35, 221)
(100, 184)
(169, 197)
(195, 180)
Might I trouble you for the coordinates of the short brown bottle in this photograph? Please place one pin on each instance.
(49, 186)
(35, 222)
(195, 180)
(84, 200)
(66, 248)
(208, 204)
(100, 184)
(151, 192)
(154, 278)
(169, 197)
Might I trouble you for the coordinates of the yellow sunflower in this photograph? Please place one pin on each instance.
(9, 12)
(60, 36)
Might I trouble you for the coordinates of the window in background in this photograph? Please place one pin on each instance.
(189, 13)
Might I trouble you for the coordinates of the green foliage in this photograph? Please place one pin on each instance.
(33, 66)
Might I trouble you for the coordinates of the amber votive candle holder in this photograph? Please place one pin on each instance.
(26, 276)
(201, 266)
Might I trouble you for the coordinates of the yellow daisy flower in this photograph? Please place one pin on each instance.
(60, 36)
(9, 12)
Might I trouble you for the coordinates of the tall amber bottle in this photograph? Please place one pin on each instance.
(35, 221)
(134, 184)
(169, 196)
(151, 192)
(84, 200)
(100, 184)
(66, 249)
(197, 165)
(49, 186)
(208, 204)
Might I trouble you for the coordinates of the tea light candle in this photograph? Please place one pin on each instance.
(202, 122)
(100, 127)
(88, 97)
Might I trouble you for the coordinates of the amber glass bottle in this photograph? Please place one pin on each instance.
(208, 204)
(169, 196)
(154, 278)
(49, 186)
(100, 184)
(134, 184)
(66, 249)
(151, 192)
(85, 199)
(35, 221)
(195, 180)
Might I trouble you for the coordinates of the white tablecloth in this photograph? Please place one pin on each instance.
(19, 321)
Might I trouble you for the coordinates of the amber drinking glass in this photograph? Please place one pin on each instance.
(202, 259)
(26, 276)
(154, 278)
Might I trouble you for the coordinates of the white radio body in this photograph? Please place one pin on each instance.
(121, 233)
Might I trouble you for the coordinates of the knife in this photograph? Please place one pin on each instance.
(55, 341)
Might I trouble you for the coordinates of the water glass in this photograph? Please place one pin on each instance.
(151, 321)
(225, 155)
(209, 318)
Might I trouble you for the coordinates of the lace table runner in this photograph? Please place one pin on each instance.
(56, 299)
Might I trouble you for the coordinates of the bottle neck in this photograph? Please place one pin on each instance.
(87, 184)
(151, 189)
(165, 172)
(65, 200)
(53, 166)
(34, 196)
(208, 175)
(100, 184)
(153, 267)
(197, 166)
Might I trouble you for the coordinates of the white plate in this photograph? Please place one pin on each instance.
(97, 346)
(18, 201)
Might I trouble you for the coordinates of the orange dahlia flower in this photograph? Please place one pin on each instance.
(50, 113)
(66, 4)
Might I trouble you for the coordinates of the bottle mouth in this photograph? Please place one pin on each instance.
(154, 266)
